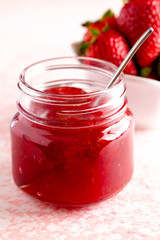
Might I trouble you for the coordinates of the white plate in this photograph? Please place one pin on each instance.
(144, 101)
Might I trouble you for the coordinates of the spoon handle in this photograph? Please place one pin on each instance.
(135, 47)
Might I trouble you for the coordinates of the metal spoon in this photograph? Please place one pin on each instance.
(133, 50)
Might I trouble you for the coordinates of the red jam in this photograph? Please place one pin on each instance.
(72, 166)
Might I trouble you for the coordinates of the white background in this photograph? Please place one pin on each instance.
(45, 28)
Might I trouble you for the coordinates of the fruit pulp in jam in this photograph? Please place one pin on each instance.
(72, 166)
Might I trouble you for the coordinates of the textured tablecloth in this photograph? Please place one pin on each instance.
(31, 31)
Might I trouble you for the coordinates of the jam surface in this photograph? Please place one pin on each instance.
(72, 166)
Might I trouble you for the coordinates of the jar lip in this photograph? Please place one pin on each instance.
(27, 88)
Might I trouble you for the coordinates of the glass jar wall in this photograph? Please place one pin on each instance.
(72, 141)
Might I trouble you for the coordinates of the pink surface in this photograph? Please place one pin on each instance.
(133, 214)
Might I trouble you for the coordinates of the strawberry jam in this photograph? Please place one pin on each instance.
(69, 148)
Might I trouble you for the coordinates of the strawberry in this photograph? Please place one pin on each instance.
(109, 18)
(94, 28)
(110, 46)
(152, 71)
(135, 17)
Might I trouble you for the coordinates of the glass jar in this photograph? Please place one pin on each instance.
(72, 140)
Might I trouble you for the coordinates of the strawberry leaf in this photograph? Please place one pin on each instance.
(109, 13)
(106, 28)
(125, 1)
(86, 24)
(95, 32)
(83, 47)
(145, 71)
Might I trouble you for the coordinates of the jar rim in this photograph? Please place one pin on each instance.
(59, 109)
(32, 91)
